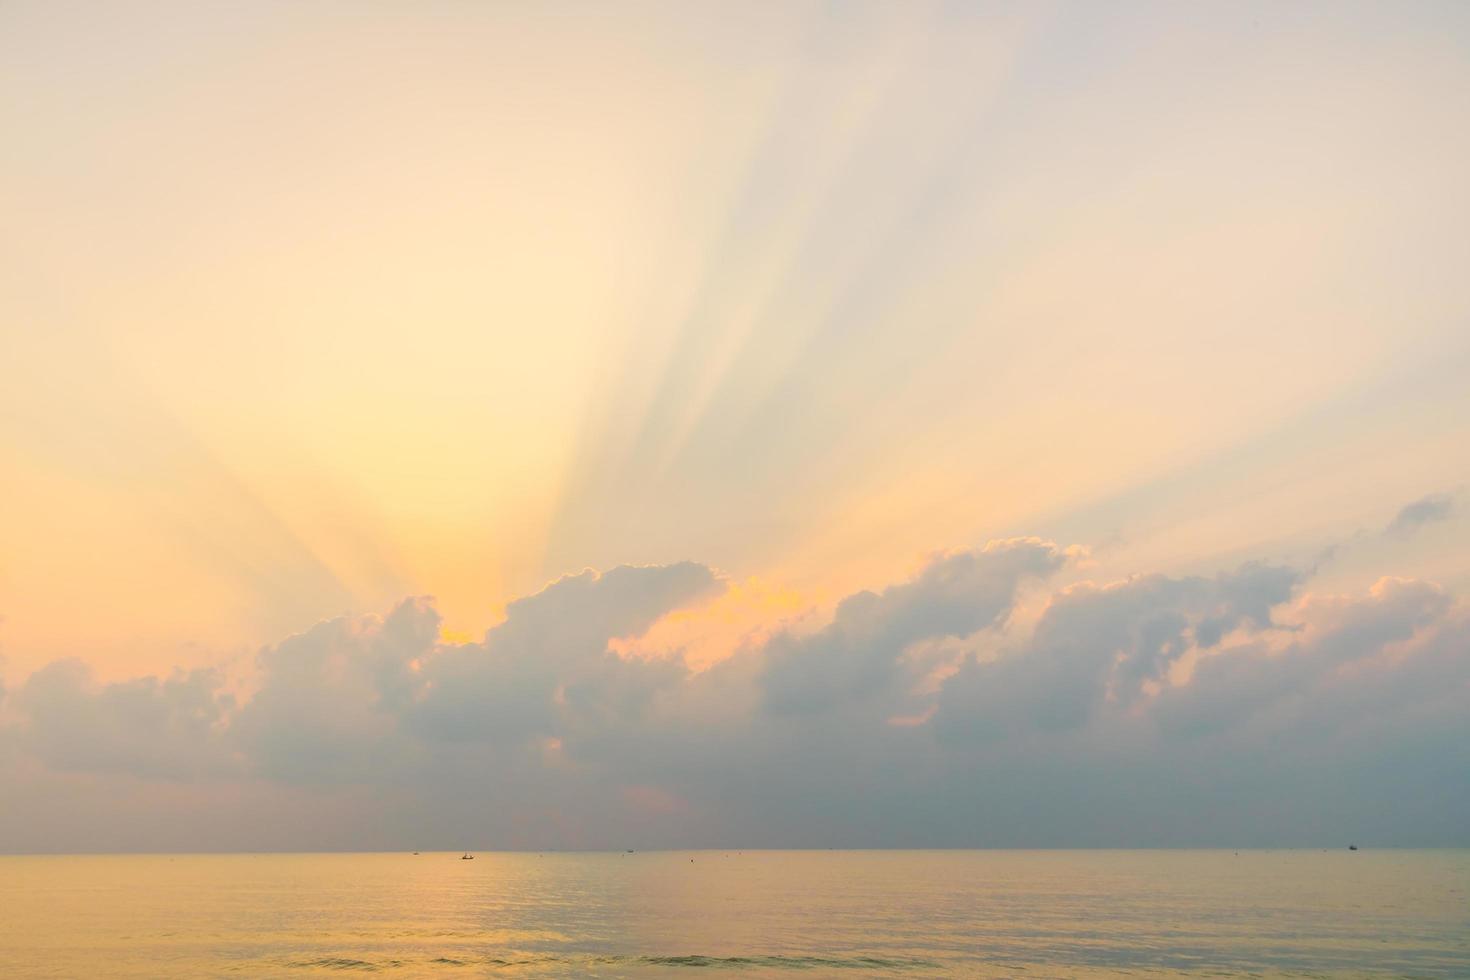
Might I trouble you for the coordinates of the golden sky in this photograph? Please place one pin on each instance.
(305, 308)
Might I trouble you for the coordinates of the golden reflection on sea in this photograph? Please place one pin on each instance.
(1085, 914)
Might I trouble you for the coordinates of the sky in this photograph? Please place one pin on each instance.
(762, 424)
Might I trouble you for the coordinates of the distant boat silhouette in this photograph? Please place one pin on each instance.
(1352, 847)
(467, 856)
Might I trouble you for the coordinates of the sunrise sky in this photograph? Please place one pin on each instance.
(969, 413)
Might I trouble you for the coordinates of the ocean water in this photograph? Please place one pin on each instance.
(1089, 914)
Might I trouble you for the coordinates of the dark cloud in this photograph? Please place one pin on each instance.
(1426, 510)
(858, 656)
(1250, 681)
(549, 661)
(348, 698)
(1162, 709)
(153, 727)
(328, 706)
(1096, 644)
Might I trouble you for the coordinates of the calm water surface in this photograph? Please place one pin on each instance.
(910, 913)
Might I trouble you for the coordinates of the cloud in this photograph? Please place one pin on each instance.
(549, 661)
(1160, 709)
(1339, 635)
(152, 727)
(859, 655)
(1426, 510)
(351, 697)
(330, 699)
(1106, 643)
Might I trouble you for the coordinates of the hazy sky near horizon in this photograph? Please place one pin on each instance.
(967, 409)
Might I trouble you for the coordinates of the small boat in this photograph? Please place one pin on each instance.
(467, 856)
(1352, 847)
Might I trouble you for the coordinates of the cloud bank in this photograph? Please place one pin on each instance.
(1233, 709)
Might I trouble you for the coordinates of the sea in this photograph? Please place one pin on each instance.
(1024, 914)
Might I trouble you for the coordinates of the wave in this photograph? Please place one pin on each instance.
(790, 962)
(692, 960)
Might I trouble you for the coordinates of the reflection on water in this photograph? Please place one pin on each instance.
(970, 913)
